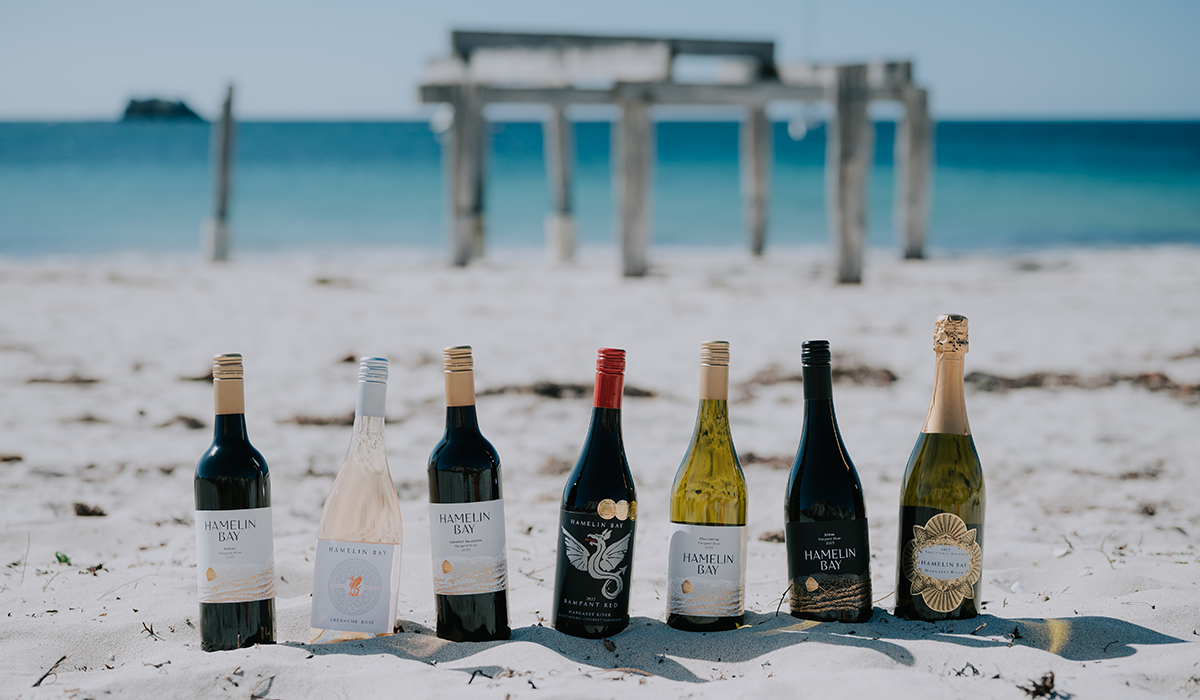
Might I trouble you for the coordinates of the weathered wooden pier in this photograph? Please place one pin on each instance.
(635, 73)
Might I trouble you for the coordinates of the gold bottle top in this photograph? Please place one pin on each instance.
(714, 370)
(460, 375)
(950, 334)
(228, 394)
(948, 407)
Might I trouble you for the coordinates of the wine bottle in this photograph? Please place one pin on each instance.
(356, 579)
(940, 562)
(235, 551)
(466, 517)
(596, 523)
(825, 521)
(706, 569)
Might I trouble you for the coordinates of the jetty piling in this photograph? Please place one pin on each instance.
(634, 74)
(559, 145)
(214, 230)
(757, 146)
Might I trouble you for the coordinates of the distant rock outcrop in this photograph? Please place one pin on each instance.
(155, 109)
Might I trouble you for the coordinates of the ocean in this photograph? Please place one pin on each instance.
(83, 188)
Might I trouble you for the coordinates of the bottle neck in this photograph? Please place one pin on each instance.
(818, 382)
(460, 389)
(229, 405)
(609, 388)
(461, 420)
(605, 421)
(367, 450)
(714, 382)
(229, 397)
(230, 427)
(948, 407)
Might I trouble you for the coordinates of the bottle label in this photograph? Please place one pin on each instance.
(235, 555)
(706, 571)
(355, 586)
(829, 565)
(595, 564)
(943, 561)
(468, 547)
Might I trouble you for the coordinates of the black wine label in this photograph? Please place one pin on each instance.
(829, 565)
(595, 565)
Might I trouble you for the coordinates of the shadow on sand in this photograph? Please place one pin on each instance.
(649, 647)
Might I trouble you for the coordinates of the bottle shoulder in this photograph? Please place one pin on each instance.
(237, 459)
(456, 452)
(944, 468)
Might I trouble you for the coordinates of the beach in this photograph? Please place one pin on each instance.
(1092, 548)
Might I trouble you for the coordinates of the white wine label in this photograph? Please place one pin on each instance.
(355, 586)
(468, 547)
(706, 573)
(943, 561)
(235, 555)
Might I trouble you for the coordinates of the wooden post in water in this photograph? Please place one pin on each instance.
(914, 159)
(633, 148)
(756, 156)
(464, 153)
(558, 142)
(215, 229)
(848, 157)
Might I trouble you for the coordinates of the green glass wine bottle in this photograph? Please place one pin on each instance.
(706, 571)
(940, 563)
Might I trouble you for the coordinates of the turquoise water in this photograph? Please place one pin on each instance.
(83, 188)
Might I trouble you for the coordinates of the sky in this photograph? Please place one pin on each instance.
(362, 59)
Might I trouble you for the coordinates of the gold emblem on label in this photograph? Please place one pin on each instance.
(811, 584)
(943, 530)
(687, 587)
(607, 509)
(446, 566)
(622, 510)
(633, 510)
(210, 574)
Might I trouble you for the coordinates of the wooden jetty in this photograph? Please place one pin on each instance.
(634, 74)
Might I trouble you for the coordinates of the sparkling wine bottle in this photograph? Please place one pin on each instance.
(356, 579)
(466, 517)
(940, 563)
(235, 553)
(829, 557)
(706, 570)
(596, 523)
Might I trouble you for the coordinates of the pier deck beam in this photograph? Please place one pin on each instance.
(848, 156)
(465, 152)
(914, 159)
(633, 150)
(558, 139)
(756, 157)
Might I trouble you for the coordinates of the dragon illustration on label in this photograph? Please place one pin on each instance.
(601, 563)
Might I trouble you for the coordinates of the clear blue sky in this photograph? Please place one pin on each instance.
(81, 59)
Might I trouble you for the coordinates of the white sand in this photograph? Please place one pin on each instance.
(1110, 601)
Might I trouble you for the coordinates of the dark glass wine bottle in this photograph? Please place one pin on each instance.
(466, 517)
(596, 523)
(706, 569)
(939, 573)
(829, 556)
(235, 558)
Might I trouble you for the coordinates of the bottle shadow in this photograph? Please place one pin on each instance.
(649, 647)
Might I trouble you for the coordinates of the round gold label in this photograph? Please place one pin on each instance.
(607, 509)
(622, 510)
(687, 587)
(633, 510)
(447, 567)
